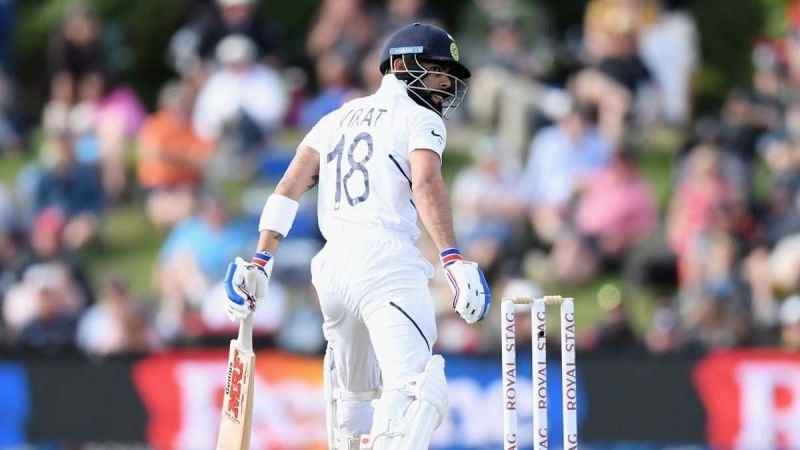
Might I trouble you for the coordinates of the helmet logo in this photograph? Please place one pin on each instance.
(454, 50)
(405, 50)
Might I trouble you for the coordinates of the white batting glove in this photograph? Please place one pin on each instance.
(471, 296)
(246, 285)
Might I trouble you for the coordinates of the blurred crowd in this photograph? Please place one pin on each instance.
(554, 195)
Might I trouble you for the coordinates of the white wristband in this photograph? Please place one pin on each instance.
(278, 214)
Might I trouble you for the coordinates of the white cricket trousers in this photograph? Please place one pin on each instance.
(378, 316)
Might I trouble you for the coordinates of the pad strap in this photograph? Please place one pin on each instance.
(349, 396)
(278, 214)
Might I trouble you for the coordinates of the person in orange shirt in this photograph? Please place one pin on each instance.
(172, 157)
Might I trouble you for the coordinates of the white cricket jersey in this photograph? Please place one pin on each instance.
(364, 173)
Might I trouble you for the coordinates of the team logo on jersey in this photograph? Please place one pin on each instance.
(454, 50)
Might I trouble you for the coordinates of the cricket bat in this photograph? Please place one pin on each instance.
(237, 403)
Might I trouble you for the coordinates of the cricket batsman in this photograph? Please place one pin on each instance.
(377, 161)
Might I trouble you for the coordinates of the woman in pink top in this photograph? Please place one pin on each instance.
(616, 206)
(701, 192)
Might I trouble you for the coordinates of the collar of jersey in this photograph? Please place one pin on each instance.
(391, 84)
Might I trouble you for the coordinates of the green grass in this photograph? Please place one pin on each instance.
(602, 293)
(9, 167)
(128, 246)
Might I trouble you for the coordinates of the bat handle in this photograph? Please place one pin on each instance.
(245, 338)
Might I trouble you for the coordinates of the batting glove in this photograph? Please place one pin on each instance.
(471, 296)
(246, 285)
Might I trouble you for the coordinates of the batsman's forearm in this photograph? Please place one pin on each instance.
(295, 183)
(433, 205)
(268, 241)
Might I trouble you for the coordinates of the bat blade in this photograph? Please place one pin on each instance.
(237, 404)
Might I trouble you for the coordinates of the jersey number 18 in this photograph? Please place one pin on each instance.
(355, 166)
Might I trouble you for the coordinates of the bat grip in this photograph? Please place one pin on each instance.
(245, 338)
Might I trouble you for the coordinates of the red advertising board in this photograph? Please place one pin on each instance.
(183, 393)
(752, 399)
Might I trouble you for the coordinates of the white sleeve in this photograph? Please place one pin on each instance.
(426, 130)
(205, 119)
(264, 97)
(315, 138)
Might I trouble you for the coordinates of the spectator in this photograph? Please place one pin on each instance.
(14, 256)
(781, 152)
(792, 51)
(670, 50)
(240, 17)
(8, 215)
(242, 101)
(741, 125)
(505, 90)
(615, 73)
(10, 138)
(707, 323)
(116, 324)
(398, 13)
(663, 334)
(766, 269)
(48, 273)
(172, 157)
(770, 87)
(81, 120)
(717, 269)
(702, 191)
(616, 206)
(784, 263)
(333, 77)
(72, 189)
(560, 157)
(46, 245)
(487, 205)
(756, 271)
(714, 305)
(101, 122)
(41, 310)
(56, 113)
(195, 256)
(76, 50)
(615, 209)
(507, 48)
(118, 115)
(369, 77)
(344, 27)
(7, 30)
(613, 332)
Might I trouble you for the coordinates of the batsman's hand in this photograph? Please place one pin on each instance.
(246, 285)
(471, 296)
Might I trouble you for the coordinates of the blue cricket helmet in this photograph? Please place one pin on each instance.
(426, 42)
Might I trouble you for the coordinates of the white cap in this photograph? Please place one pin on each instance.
(46, 276)
(790, 310)
(236, 48)
(225, 3)
(521, 287)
